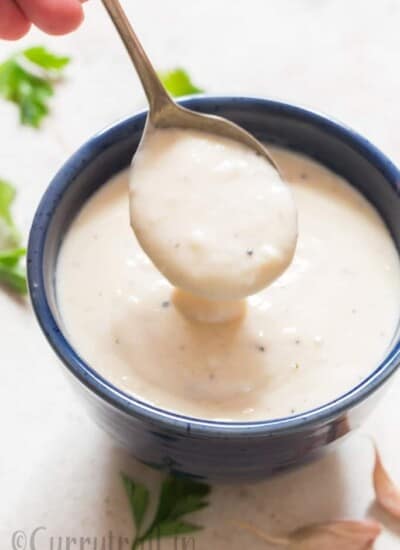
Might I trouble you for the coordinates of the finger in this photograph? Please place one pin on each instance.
(13, 23)
(53, 16)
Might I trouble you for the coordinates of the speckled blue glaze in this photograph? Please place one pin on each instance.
(217, 451)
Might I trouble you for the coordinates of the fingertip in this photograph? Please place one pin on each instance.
(17, 31)
(63, 23)
(54, 16)
(13, 23)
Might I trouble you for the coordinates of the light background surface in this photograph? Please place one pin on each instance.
(56, 468)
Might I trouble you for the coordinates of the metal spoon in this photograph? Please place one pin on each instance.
(163, 111)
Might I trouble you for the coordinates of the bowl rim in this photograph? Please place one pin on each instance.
(135, 407)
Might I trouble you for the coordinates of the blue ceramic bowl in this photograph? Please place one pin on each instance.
(218, 451)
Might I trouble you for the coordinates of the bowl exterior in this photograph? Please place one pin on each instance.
(219, 459)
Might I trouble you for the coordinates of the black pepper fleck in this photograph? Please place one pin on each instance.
(249, 252)
(116, 341)
(297, 341)
(261, 348)
(303, 176)
(165, 304)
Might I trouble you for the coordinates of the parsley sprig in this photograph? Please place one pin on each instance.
(27, 79)
(178, 497)
(178, 82)
(12, 273)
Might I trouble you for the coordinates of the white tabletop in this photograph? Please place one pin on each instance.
(57, 470)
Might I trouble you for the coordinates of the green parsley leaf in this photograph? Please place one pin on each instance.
(45, 59)
(9, 236)
(7, 195)
(138, 497)
(11, 256)
(186, 505)
(13, 277)
(178, 497)
(178, 83)
(27, 90)
(12, 274)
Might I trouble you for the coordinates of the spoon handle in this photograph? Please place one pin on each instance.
(156, 94)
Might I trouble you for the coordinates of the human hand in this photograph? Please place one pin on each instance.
(52, 16)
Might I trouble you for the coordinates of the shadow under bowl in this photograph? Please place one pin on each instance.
(217, 451)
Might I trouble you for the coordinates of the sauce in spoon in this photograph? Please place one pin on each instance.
(213, 215)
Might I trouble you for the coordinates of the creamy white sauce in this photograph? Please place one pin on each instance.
(214, 217)
(316, 332)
